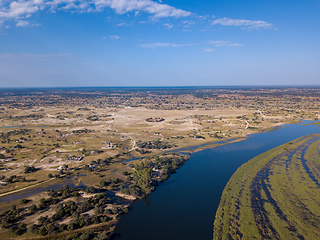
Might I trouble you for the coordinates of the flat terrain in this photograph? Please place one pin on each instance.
(274, 196)
(119, 139)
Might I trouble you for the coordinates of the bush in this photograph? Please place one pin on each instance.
(29, 169)
(24, 201)
(32, 209)
(125, 210)
(33, 229)
(43, 231)
(91, 189)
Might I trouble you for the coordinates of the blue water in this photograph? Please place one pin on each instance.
(32, 191)
(184, 207)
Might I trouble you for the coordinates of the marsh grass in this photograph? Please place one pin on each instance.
(289, 195)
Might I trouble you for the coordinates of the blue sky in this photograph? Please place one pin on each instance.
(62, 43)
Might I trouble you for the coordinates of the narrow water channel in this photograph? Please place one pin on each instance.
(184, 207)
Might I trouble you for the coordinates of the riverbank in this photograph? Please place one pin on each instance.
(201, 147)
(261, 198)
(206, 174)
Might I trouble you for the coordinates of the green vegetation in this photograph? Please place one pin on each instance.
(147, 174)
(274, 196)
(86, 211)
(51, 137)
(154, 145)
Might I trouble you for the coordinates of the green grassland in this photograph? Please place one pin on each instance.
(274, 196)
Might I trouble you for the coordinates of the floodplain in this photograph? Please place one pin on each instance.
(119, 141)
(274, 196)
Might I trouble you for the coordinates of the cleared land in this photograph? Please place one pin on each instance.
(274, 196)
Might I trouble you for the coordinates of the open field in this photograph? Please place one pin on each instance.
(86, 136)
(274, 196)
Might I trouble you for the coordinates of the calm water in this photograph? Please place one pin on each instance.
(184, 206)
(29, 192)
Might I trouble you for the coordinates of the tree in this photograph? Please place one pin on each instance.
(29, 169)
(43, 231)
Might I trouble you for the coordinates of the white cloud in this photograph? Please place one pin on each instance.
(157, 45)
(168, 25)
(250, 24)
(188, 22)
(208, 50)
(122, 24)
(114, 37)
(225, 44)
(215, 43)
(158, 10)
(20, 9)
(21, 23)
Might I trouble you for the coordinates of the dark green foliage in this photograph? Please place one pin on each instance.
(43, 231)
(125, 210)
(103, 183)
(19, 230)
(154, 145)
(91, 189)
(29, 169)
(47, 202)
(132, 190)
(32, 209)
(147, 174)
(24, 201)
(15, 178)
(33, 229)
(10, 216)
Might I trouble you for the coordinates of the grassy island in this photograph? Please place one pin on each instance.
(274, 196)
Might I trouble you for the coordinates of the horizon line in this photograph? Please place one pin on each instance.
(198, 86)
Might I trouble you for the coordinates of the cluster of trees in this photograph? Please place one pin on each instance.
(22, 131)
(154, 145)
(147, 174)
(144, 177)
(47, 225)
(82, 131)
(23, 117)
(157, 119)
(11, 218)
(13, 178)
(142, 151)
(112, 182)
(132, 190)
(31, 169)
(168, 164)
(199, 136)
(215, 135)
(93, 118)
(64, 192)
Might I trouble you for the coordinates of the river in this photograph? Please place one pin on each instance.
(184, 207)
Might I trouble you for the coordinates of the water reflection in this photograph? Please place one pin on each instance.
(146, 201)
